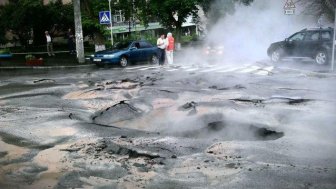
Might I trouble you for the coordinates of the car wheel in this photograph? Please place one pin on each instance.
(276, 55)
(123, 61)
(154, 59)
(321, 57)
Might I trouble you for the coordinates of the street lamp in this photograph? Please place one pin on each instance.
(111, 23)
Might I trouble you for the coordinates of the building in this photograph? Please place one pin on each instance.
(3, 2)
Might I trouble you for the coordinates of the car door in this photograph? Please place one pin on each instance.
(293, 44)
(147, 50)
(310, 43)
(326, 39)
(135, 52)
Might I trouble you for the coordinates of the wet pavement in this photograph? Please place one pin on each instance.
(254, 125)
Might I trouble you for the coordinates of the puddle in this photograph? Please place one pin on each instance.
(11, 151)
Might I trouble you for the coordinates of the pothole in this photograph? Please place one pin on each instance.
(233, 131)
(274, 99)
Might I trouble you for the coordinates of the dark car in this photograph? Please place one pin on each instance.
(124, 53)
(313, 43)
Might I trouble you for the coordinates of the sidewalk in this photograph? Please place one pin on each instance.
(62, 59)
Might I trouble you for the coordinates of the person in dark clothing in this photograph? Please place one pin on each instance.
(71, 42)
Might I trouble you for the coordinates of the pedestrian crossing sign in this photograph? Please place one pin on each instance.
(104, 17)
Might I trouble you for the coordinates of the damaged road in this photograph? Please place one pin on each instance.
(158, 128)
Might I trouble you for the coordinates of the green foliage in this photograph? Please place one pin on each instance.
(30, 57)
(167, 11)
(4, 51)
(188, 38)
(22, 16)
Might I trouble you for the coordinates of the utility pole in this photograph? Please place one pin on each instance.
(78, 31)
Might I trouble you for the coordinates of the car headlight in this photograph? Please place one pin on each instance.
(108, 55)
(92, 55)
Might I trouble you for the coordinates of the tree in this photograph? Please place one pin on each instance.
(319, 8)
(22, 16)
(90, 10)
(216, 9)
(79, 31)
(173, 13)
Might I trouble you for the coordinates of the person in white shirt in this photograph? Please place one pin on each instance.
(49, 44)
(161, 43)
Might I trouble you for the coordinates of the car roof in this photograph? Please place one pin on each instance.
(318, 29)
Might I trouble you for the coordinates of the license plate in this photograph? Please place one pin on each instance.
(97, 60)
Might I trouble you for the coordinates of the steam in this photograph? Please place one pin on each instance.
(247, 33)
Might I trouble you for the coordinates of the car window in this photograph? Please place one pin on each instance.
(312, 36)
(144, 44)
(326, 35)
(297, 37)
(121, 45)
(137, 45)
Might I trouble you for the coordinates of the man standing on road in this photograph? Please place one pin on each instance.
(49, 44)
(71, 42)
(161, 43)
(170, 48)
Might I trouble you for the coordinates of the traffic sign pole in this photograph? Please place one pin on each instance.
(111, 23)
(333, 46)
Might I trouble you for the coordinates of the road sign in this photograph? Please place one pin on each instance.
(104, 17)
(289, 7)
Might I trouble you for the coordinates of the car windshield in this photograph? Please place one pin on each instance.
(122, 45)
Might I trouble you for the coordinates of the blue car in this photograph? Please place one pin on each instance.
(124, 53)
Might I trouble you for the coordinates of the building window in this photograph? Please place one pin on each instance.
(118, 16)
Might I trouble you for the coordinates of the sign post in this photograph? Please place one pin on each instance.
(111, 23)
(105, 17)
(333, 46)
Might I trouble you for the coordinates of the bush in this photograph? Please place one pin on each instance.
(30, 57)
(4, 51)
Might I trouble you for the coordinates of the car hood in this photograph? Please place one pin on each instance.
(278, 43)
(108, 51)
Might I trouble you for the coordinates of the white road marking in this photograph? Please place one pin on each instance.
(191, 69)
(250, 69)
(246, 68)
(135, 67)
(171, 70)
(231, 69)
(149, 67)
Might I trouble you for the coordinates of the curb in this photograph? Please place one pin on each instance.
(44, 67)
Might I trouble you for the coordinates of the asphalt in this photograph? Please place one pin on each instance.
(62, 59)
